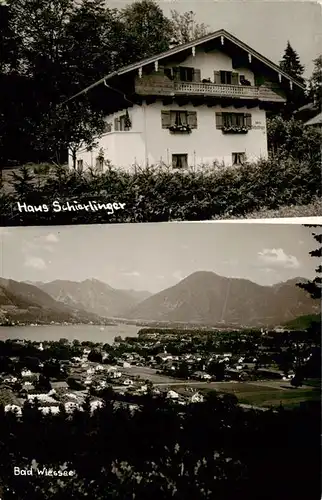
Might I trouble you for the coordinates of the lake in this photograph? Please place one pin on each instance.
(93, 333)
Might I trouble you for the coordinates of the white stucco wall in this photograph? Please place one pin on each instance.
(204, 145)
(215, 60)
(122, 149)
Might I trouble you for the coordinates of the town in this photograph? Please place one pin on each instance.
(261, 368)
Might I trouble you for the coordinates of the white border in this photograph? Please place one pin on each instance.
(283, 220)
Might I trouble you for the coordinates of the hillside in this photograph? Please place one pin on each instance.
(26, 303)
(209, 299)
(93, 296)
(304, 322)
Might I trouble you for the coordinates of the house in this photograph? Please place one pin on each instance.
(46, 410)
(14, 409)
(315, 122)
(71, 406)
(196, 104)
(197, 398)
(307, 112)
(44, 398)
(172, 395)
(96, 404)
(128, 381)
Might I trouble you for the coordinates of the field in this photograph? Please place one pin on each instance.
(260, 393)
(263, 395)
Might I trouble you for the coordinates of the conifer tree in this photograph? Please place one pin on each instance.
(291, 64)
(315, 82)
(314, 287)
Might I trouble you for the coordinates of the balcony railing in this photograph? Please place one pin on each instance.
(169, 88)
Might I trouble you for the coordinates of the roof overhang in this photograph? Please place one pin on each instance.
(190, 45)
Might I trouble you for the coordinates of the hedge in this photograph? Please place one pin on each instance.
(160, 194)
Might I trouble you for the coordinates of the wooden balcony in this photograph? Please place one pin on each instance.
(176, 88)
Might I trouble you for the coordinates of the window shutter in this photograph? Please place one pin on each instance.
(218, 120)
(217, 77)
(116, 124)
(196, 75)
(234, 78)
(165, 119)
(248, 120)
(192, 119)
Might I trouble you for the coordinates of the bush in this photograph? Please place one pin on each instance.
(160, 194)
(292, 139)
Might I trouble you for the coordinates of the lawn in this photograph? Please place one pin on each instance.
(257, 395)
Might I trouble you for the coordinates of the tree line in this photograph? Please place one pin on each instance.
(206, 450)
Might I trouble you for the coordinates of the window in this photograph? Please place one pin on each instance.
(179, 119)
(185, 74)
(80, 165)
(238, 158)
(122, 123)
(180, 160)
(99, 163)
(107, 127)
(224, 120)
(226, 77)
(230, 119)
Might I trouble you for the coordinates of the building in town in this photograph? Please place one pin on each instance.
(195, 104)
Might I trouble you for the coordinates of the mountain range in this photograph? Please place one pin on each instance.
(94, 296)
(209, 299)
(203, 298)
(26, 303)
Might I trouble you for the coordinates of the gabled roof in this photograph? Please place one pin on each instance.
(317, 120)
(185, 46)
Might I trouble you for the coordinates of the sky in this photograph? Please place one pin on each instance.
(155, 256)
(264, 25)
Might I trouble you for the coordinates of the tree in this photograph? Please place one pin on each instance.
(290, 63)
(97, 44)
(313, 287)
(183, 370)
(58, 64)
(75, 384)
(146, 29)
(184, 27)
(296, 97)
(9, 42)
(315, 82)
(291, 138)
(95, 356)
(68, 127)
(217, 370)
(43, 383)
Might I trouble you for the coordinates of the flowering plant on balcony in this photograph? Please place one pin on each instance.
(235, 129)
(180, 128)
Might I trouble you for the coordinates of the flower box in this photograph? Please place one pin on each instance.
(180, 128)
(235, 129)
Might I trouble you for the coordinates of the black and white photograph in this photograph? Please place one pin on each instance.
(150, 111)
(168, 361)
